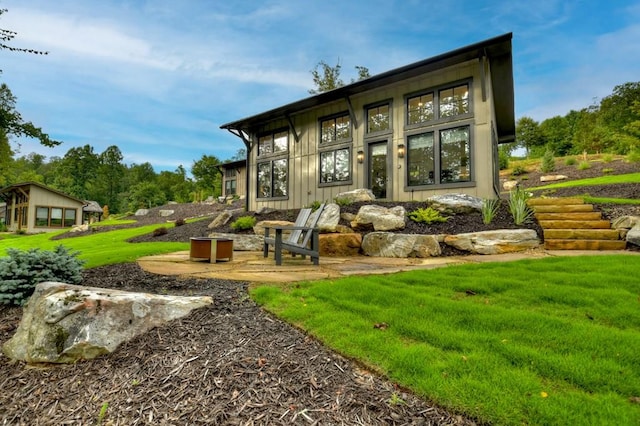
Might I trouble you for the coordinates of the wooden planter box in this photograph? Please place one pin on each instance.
(211, 249)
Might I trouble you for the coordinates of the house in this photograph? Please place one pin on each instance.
(428, 128)
(234, 178)
(34, 207)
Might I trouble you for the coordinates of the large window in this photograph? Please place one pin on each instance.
(230, 176)
(442, 104)
(55, 217)
(335, 129)
(273, 178)
(335, 166)
(439, 157)
(273, 143)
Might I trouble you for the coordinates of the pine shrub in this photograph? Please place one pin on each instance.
(180, 222)
(21, 271)
(160, 231)
(548, 162)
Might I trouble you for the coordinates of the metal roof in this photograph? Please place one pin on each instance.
(497, 49)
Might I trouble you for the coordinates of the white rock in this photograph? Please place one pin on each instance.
(381, 218)
(362, 194)
(458, 203)
(495, 242)
(388, 244)
(551, 178)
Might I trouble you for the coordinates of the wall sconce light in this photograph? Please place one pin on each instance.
(360, 157)
(401, 151)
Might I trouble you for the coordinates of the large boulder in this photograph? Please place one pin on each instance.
(166, 213)
(625, 222)
(388, 244)
(633, 236)
(63, 323)
(455, 203)
(356, 195)
(495, 242)
(222, 219)
(259, 227)
(380, 218)
(242, 242)
(341, 245)
(329, 218)
(141, 212)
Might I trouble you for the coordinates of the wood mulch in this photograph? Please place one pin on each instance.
(231, 363)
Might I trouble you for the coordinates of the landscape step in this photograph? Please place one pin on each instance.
(585, 245)
(563, 208)
(554, 201)
(569, 216)
(581, 234)
(575, 224)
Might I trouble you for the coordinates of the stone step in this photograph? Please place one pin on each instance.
(581, 234)
(563, 208)
(575, 224)
(569, 216)
(554, 201)
(584, 245)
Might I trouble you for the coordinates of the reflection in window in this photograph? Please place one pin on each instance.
(69, 217)
(273, 178)
(420, 109)
(378, 119)
(420, 159)
(454, 155)
(335, 129)
(42, 216)
(273, 143)
(56, 217)
(335, 166)
(454, 101)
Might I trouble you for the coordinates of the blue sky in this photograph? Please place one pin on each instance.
(157, 78)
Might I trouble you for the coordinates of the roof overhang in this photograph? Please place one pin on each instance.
(497, 50)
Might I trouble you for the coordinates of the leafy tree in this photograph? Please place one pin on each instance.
(110, 174)
(207, 175)
(617, 109)
(528, 134)
(175, 185)
(326, 78)
(78, 172)
(241, 154)
(5, 158)
(11, 121)
(557, 135)
(146, 195)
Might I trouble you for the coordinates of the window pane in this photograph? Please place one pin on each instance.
(264, 145)
(454, 101)
(280, 142)
(56, 216)
(328, 131)
(327, 166)
(342, 165)
(378, 118)
(69, 217)
(454, 155)
(420, 109)
(264, 180)
(420, 159)
(42, 216)
(343, 127)
(280, 178)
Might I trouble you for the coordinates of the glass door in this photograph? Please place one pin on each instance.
(378, 169)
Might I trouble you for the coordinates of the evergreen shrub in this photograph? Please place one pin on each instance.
(21, 271)
(548, 162)
(243, 223)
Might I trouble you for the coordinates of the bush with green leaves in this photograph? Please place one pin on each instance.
(343, 201)
(21, 271)
(634, 156)
(548, 162)
(518, 207)
(584, 165)
(160, 231)
(570, 161)
(489, 209)
(428, 216)
(243, 223)
(518, 170)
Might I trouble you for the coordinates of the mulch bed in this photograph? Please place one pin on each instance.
(231, 363)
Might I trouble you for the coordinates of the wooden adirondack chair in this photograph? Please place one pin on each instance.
(303, 238)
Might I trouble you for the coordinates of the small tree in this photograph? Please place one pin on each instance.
(548, 162)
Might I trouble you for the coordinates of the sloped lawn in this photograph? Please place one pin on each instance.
(551, 341)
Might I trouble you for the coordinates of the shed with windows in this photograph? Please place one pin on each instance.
(428, 128)
(33, 207)
(234, 178)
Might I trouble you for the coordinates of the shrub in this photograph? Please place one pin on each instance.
(634, 156)
(489, 209)
(243, 223)
(315, 205)
(180, 222)
(584, 165)
(160, 231)
(606, 171)
(342, 202)
(570, 161)
(428, 216)
(548, 162)
(21, 271)
(607, 158)
(503, 159)
(518, 207)
(518, 170)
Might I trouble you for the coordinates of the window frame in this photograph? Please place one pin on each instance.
(49, 219)
(272, 134)
(336, 141)
(437, 157)
(437, 118)
(378, 133)
(334, 149)
(271, 162)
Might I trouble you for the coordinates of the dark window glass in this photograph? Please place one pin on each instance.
(335, 129)
(454, 101)
(420, 109)
(335, 166)
(420, 159)
(378, 119)
(42, 216)
(273, 178)
(454, 155)
(69, 217)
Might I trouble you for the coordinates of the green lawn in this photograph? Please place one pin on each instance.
(101, 248)
(601, 180)
(550, 341)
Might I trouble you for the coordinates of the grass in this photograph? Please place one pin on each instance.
(551, 341)
(101, 248)
(600, 180)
